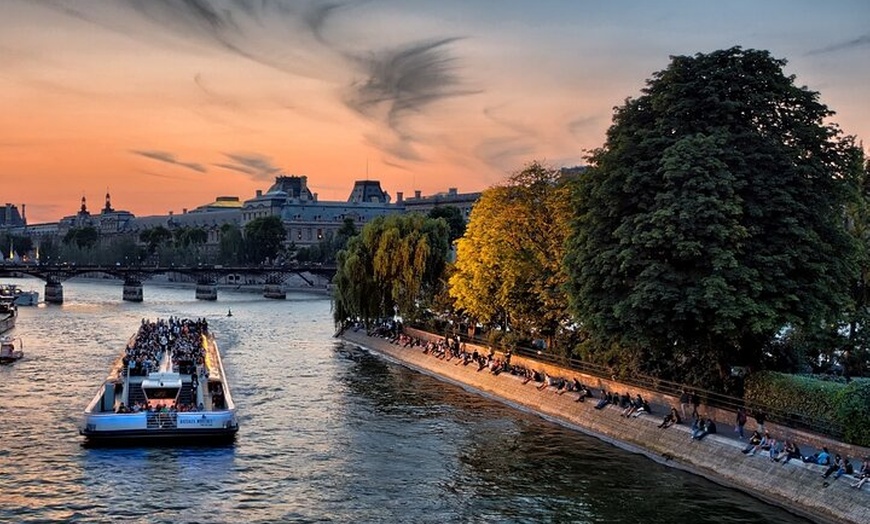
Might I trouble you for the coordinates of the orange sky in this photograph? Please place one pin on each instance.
(168, 107)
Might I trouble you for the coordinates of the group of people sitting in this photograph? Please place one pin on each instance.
(760, 441)
(139, 407)
(783, 451)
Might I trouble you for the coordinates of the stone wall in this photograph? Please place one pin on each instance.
(794, 486)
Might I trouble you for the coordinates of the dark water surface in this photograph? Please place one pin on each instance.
(328, 434)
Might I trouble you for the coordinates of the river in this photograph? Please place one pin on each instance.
(327, 433)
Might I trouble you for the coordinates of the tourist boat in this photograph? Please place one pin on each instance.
(8, 353)
(8, 314)
(19, 296)
(168, 386)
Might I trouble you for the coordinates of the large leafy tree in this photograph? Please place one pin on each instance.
(82, 237)
(155, 237)
(711, 219)
(508, 272)
(454, 218)
(231, 244)
(394, 265)
(264, 238)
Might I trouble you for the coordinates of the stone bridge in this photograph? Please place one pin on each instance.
(205, 276)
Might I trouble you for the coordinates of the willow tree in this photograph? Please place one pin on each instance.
(393, 266)
(508, 272)
(712, 218)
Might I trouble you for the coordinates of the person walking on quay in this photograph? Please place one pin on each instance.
(684, 403)
(696, 403)
(760, 417)
(741, 422)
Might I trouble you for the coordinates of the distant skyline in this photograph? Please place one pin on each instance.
(169, 104)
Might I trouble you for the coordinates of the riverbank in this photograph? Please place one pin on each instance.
(795, 486)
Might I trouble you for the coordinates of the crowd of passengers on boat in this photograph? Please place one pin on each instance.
(182, 337)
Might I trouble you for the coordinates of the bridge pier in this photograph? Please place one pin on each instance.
(275, 291)
(53, 292)
(132, 290)
(206, 291)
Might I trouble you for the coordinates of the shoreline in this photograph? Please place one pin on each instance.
(794, 487)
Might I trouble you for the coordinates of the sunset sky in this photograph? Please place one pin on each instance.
(168, 104)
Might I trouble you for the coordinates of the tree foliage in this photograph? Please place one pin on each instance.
(155, 237)
(393, 266)
(508, 271)
(264, 238)
(711, 218)
(454, 218)
(231, 244)
(82, 237)
(326, 250)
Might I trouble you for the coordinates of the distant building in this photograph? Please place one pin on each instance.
(222, 203)
(11, 218)
(108, 222)
(306, 219)
(424, 204)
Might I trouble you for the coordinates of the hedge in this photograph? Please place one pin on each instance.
(841, 410)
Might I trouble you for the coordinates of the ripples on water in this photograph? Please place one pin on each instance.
(328, 434)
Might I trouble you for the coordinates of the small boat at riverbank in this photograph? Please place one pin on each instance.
(8, 353)
(19, 296)
(8, 314)
(168, 386)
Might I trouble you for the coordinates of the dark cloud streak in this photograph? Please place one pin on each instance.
(169, 158)
(256, 166)
(861, 41)
(388, 86)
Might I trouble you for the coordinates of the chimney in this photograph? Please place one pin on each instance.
(417, 193)
(259, 193)
(400, 197)
(315, 197)
(451, 191)
(24, 214)
(184, 211)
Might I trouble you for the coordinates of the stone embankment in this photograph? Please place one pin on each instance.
(795, 486)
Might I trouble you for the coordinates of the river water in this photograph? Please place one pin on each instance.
(328, 434)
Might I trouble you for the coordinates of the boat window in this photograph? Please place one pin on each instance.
(161, 393)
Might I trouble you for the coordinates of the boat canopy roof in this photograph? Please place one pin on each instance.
(162, 380)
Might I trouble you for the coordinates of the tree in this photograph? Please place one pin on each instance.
(454, 218)
(711, 219)
(155, 237)
(508, 270)
(394, 266)
(326, 250)
(231, 244)
(264, 238)
(82, 237)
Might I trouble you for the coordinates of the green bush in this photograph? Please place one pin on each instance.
(795, 398)
(854, 412)
(841, 409)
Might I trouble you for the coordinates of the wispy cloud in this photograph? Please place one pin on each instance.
(504, 152)
(403, 81)
(169, 158)
(162, 175)
(861, 41)
(386, 84)
(257, 166)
